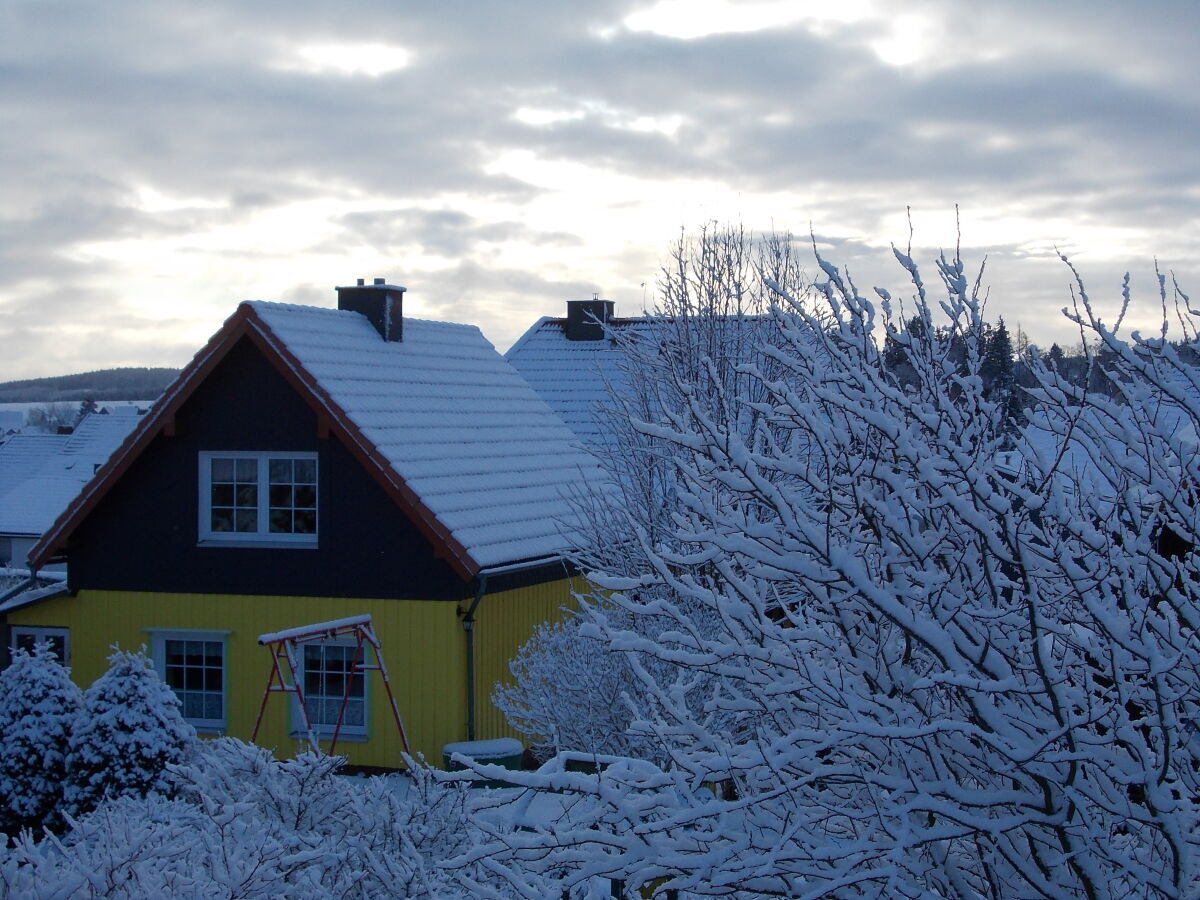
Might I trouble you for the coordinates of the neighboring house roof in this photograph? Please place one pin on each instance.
(23, 454)
(576, 377)
(41, 474)
(454, 435)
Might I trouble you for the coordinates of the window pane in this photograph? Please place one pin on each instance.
(222, 469)
(306, 471)
(212, 707)
(327, 669)
(281, 495)
(247, 495)
(281, 471)
(247, 520)
(222, 495)
(212, 678)
(193, 706)
(194, 670)
(247, 470)
(305, 522)
(222, 520)
(306, 496)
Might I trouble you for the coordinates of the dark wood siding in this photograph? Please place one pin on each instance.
(143, 535)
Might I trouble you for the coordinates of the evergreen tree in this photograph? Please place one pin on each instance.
(997, 366)
(38, 703)
(127, 732)
(87, 407)
(1054, 356)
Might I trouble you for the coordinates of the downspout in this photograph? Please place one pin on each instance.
(469, 627)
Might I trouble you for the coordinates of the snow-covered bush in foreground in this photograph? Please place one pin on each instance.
(127, 732)
(944, 678)
(243, 824)
(38, 703)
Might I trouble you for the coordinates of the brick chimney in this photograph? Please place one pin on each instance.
(381, 303)
(586, 318)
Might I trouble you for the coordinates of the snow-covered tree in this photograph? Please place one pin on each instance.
(243, 824)
(571, 690)
(38, 703)
(128, 731)
(924, 674)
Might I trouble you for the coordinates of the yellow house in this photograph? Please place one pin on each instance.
(313, 464)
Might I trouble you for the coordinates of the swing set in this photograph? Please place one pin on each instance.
(284, 646)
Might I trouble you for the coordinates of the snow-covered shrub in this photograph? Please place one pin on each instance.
(129, 729)
(243, 824)
(933, 674)
(38, 704)
(569, 692)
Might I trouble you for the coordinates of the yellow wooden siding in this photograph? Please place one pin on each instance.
(504, 622)
(424, 647)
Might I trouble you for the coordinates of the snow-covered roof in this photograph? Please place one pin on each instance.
(575, 377)
(483, 452)
(451, 431)
(47, 471)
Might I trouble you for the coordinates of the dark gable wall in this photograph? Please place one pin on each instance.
(143, 535)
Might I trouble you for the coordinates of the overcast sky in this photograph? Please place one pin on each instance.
(161, 162)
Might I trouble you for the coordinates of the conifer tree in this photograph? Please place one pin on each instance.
(38, 703)
(127, 732)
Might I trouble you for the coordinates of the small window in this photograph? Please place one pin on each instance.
(24, 637)
(258, 497)
(193, 666)
(327, 667)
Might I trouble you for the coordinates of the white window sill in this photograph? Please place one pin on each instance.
(256, 544)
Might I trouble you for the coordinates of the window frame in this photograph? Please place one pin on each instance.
(263, 536)
(158, 640)
(348, 732)
(38, 633)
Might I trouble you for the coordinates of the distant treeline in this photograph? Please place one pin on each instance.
(133, 383)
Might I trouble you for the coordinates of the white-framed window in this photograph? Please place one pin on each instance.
(248, 497)
(193, 664)
(327, 666)
(24, 637)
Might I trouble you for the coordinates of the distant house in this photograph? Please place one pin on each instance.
(313, 464)
(40, 474)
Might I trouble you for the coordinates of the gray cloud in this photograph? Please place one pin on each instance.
(446, 232)
(1076, 113)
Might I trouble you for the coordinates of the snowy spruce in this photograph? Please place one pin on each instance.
(38, 704)
(129, 729)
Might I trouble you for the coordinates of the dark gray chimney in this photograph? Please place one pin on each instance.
(381, 303)
(586, 318)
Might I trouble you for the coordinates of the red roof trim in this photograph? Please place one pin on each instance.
(246, 323)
